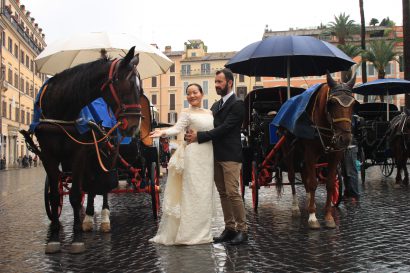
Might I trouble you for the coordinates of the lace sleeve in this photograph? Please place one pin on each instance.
(180, 126)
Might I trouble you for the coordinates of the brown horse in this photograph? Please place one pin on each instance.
(399, 140)
(330, 111)
(62, 98)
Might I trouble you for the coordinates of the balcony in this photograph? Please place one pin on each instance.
(21, 31)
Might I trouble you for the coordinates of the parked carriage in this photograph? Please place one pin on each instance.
(370, 132)
(262, 164)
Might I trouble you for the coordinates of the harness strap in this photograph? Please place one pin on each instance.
(41, 98)
(97, 150)
(335, 120)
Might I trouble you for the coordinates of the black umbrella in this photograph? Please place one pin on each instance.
(383, 87)
(289, 56)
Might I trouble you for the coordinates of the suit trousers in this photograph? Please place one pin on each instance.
(226, 175)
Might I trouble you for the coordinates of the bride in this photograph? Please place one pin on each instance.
(187, 206)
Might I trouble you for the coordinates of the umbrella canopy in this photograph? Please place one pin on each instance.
(289, 56)
(86, 47)
(305, 55)
(383, 87)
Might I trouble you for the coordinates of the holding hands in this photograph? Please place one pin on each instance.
(157, 133)
(190, 136)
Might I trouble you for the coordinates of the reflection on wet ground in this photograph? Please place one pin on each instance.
(372, 235)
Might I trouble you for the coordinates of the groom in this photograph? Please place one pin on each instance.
(228, 115)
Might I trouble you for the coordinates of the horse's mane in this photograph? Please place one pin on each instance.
(74, 86)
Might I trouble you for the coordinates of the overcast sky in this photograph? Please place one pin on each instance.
(222, 25)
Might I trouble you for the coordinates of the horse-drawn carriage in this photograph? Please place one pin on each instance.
(307, 133)
(370, 129)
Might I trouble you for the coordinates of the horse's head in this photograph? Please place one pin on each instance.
(340, 104)
(123, 91)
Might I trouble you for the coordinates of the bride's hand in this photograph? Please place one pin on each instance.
(156, 133)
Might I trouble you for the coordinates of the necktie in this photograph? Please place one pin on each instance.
(221, 102)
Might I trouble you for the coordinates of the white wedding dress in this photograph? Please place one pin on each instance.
(187, 208)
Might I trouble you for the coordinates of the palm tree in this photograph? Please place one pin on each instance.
(406, 45)
(352, 51)
(373, 21)
(380, 53)
(343, 27)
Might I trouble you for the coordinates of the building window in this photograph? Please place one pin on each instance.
(185, 86)
(3, 39)
(172, 117)
(27, 61)
(257, 79)
(241, 92)
(23, 115)
(401, 63)
(205, 87)
(22, 85)
(241, 78)
(171, 101)
(17, 114)
(388, 69)
(154, 82)
(172, 81)
(22, 56)
(206, 69)
(10, 46)
(16, 51)
(4, 109)
(10, 107)
(16, 80)
(370, 69)
(205, 103)
(10, 76)
(193, 54)
(185, 69)
(154, 99)
(186, 104)
(28, 118)
(172, 68)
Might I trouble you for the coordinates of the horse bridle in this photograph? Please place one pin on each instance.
(343, 96)
(123, 110)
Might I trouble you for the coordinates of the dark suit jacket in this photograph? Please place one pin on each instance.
(226, 136)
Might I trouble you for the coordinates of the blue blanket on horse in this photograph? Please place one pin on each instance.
(292, 115)
(97, 111)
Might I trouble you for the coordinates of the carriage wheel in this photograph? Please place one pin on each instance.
(47, 201)
(255, 185)
(242, 184)
(154, 185)
(338, 190)
(387, 167)
(362, 160)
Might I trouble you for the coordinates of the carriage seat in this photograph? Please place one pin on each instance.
(377, 115)
(266, 106)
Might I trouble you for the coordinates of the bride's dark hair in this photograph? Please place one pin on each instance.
(195, 84)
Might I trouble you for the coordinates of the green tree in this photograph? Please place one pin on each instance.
(380, 53)
(352, 51)
(386, 22)
(343, 27)
(373, 22)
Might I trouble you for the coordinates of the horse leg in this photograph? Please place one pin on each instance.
(309, 175)
(88, 222)
(406, 173)
(105, 215)
(330, 187)
(53, 244)
(291, 178)
(399, 160)
(77, 246)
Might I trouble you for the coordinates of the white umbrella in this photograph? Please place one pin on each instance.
(86, 47)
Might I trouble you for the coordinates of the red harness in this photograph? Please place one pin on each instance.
(122, 110)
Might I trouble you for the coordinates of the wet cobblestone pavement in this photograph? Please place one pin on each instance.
(372, 235)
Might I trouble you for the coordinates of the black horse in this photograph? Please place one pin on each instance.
(62, 98)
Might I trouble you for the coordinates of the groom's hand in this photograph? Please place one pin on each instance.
(190, 136)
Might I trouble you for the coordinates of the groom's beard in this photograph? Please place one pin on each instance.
(222, 92)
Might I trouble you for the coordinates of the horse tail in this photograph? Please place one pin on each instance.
(30, 143)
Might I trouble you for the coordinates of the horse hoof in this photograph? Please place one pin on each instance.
(77, 248)
(330, 223)
(87, 226)
(314, 224)
(397, 186)
(53, 247)
(105, 227)
(295, 212)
